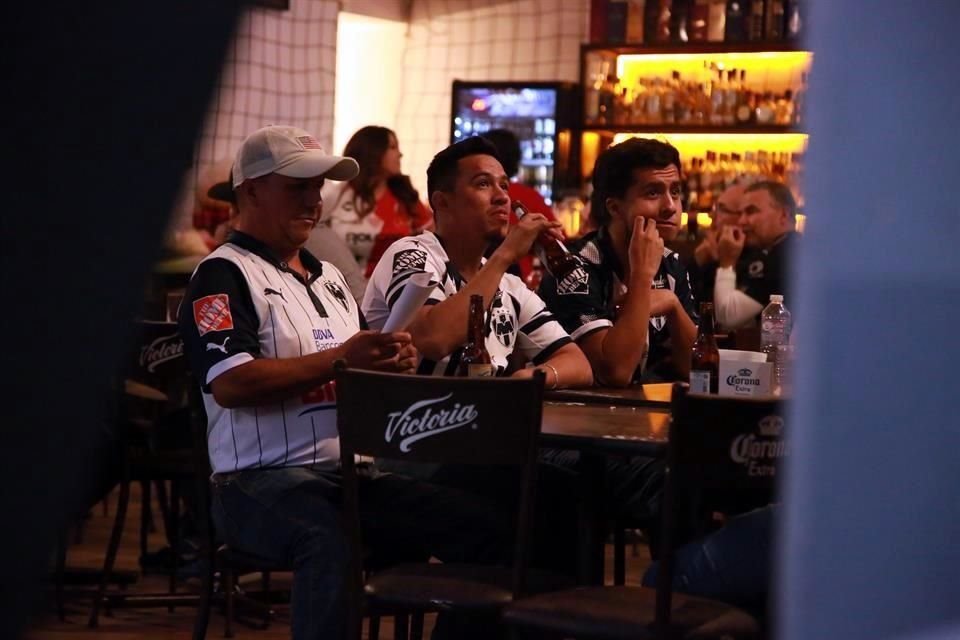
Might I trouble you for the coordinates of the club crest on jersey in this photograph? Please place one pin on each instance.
(212, 313)
(409, 260)
(502, 322)
(577, 282)
(337, 292)
(755, 269)
(658, 322)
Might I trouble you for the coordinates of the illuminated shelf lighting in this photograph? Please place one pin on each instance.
(697, 144)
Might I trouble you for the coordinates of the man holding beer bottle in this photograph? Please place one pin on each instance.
(632, 311)
(467, 187)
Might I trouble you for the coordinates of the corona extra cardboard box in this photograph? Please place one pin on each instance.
(744, 373)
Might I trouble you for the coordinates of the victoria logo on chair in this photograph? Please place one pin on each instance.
(427, 418)
(160, 350)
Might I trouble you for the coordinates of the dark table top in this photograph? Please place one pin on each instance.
(646, 395)
(596, 428)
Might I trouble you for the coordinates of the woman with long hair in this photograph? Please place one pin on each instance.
(380, 205)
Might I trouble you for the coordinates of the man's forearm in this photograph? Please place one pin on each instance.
(441, 328)
(572, 369)
(733, 307)
(268, 380)
(625, 344)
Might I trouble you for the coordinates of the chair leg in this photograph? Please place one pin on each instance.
(374, 630)
(146, 516)
(619, 554)
(416, 626)
(59, 575)
(227, 581)
(174, 536)
(112, 548)
(202, 621)
(265, 587)
(400, 627)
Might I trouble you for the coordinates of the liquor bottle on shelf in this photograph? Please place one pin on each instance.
(784, 108)
(475, 361)
(799, 101)
(617, 21)
(680, 21)
(693, 185)
(774, 20)
(716, 20)
(734, 29)
(717, 99)
(730, 99)
(764, 111)
(668, 114)
(793, 20)
(755, 24)
(635, 21)
(699, 15)
(664, 23)
(607, 99)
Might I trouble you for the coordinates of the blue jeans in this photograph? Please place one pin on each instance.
(731, 564)
(291, 516)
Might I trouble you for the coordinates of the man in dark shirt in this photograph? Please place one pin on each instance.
(633, 313)
(743, 285)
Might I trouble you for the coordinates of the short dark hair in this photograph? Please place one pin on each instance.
(780, 193)
(613, 171)
(508, 146)
(443, 169)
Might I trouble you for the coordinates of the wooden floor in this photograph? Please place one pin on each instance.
(128, 624)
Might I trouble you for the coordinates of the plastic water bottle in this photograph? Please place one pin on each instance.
(775, 324)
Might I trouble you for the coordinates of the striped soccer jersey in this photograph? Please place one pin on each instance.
(243, 304)
(517, 318)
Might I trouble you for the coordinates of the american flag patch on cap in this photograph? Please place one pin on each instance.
(309, 142)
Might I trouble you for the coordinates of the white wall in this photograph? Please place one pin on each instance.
(369, 69)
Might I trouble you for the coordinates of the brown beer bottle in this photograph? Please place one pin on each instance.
(475, 361)
(705, 356)
(564, 266)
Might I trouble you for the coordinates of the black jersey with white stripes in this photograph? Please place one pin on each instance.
(591, 305)
(516, 318)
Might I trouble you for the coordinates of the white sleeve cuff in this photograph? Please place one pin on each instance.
(223, 366)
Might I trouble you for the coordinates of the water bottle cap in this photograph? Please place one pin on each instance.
(776, 298)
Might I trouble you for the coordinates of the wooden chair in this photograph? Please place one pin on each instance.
(493, 422)
(719, 449)
(152, 402)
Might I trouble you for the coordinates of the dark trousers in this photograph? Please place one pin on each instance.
(292, 516)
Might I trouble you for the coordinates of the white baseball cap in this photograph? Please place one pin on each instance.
(290, 152)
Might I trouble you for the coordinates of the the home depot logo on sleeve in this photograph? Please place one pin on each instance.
(212, 313)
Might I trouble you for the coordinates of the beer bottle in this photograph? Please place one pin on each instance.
(564, 266)
(475, 361)
(705, 357)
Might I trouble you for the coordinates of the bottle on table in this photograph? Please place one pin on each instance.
(775, 325)
(564, 266)
(705, 356)
(475, 361)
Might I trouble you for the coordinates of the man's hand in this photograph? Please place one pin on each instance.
(393, 352)
(730, 246)
(706, 251)
(646, 249)
(663, 302)
(521, 236)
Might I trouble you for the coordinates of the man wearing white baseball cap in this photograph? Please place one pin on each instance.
(263, 321)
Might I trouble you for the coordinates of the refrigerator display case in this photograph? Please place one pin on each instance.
(543, 115)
